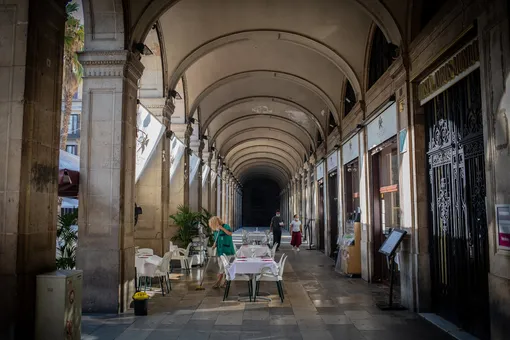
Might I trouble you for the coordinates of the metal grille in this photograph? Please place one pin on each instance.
(458, 226)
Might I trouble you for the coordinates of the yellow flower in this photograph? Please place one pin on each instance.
(140, 296)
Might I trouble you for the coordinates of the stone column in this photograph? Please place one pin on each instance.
(179, 181)
(107, 179)
(219, 190)
(366, 239)
(31, 84)
(494, 40)
(303, 196)
(152, 189)
(224, 195)
(187, 156)
(199, 175)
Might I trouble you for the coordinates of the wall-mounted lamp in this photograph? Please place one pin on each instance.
(204, 137)
(138, 211)
(174, 94)
(360, 126)
(143, 49)
(192, 120)
(336, 146)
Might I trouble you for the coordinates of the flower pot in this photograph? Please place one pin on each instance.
(141, 307)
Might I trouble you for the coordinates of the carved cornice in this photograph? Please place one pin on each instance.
(112, 64)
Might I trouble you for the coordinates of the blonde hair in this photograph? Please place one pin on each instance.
(215, 223)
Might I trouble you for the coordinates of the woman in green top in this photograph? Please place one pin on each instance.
(223, 243)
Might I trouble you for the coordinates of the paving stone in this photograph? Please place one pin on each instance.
(319, 304)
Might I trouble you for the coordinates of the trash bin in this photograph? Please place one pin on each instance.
(141, 303)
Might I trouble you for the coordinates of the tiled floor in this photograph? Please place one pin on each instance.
(319, 304)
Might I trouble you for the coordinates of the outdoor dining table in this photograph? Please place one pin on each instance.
(146, 265)
(252, 266)
(256, 236)
(250, 250)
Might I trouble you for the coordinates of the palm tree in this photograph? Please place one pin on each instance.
(73, 42)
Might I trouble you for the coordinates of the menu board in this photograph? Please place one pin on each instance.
(391, 244)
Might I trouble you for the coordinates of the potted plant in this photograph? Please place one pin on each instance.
(187, 221)
(141, 303)
(67, 238)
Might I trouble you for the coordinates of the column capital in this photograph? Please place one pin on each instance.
(112, 64)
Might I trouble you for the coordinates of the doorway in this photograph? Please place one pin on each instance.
(386, 205)
(321, 216)
(457, 220)
(333, 212)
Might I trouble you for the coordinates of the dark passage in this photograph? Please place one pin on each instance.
(261, 198)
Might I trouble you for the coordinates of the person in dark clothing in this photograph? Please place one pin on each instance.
(276, 229)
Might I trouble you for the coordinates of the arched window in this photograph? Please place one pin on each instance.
(381, 56)
(349, 98)
(331, 123)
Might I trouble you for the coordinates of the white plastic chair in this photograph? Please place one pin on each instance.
(145, 251)
(184, 258)
(273, 251)
(267, 275)
(238, 277)
(162, 272)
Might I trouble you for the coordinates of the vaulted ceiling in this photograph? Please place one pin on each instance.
(261, 77)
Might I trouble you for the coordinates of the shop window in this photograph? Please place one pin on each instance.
(349, 98)
(381, 56)
(389, 195)
(351, 184)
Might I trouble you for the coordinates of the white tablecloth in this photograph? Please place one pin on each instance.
(246, 251)
(256, 236)
(251, 266)
(146, 265)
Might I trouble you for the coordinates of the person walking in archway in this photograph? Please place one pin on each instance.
(296, 230)
(276, 229)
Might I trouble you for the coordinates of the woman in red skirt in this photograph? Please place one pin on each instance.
(295, 227)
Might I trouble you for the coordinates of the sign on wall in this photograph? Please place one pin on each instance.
(383, 127)
(503, 223)
(450, 72)
(148, 133)
(350, 150)
(320, 170)
(333, 160)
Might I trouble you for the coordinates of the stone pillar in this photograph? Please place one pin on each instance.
(107, 179)
(219, 190)
(179, 181)
(494, 40)
(152, 189)
(31, 83)
(187, 156)
(303, 196)
(224, 195)
(366, 239)
(199, 175)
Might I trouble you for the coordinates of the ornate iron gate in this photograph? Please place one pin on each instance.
(458, 226)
